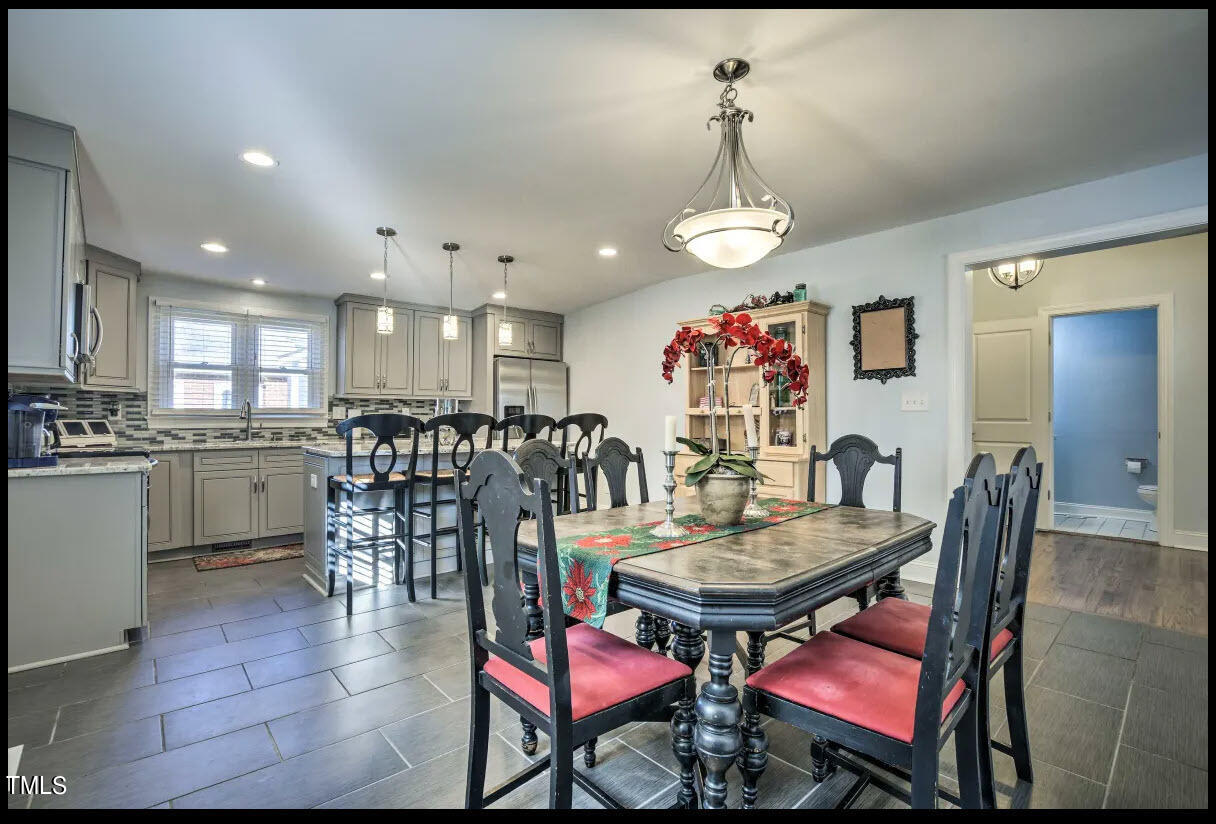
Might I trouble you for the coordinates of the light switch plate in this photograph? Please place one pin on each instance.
(312, 479)
(914, 402)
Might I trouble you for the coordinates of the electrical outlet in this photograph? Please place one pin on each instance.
(914, 402)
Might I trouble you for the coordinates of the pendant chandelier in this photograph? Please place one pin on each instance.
(451, 326)
(1015, 275)
(384, 312)
(735, 218)
(504, 326)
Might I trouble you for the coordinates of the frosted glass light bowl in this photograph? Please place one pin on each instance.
(732, 238)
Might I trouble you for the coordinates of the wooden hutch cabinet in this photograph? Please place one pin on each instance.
(786, 432)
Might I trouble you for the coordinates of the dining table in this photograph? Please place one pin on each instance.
(753, 581)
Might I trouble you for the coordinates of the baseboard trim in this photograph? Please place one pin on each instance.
(62, 659)
(1184, 539)
(1090, 511)
(920, 571)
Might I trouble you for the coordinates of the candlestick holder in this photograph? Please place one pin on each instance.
(669, 528)
(754, 510)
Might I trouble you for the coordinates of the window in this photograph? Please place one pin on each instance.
(208, 360)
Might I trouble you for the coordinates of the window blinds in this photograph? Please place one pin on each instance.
(205, 360)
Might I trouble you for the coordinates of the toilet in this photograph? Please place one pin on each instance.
(1148, 494)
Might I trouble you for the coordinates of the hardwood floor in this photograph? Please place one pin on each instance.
(1160, 586)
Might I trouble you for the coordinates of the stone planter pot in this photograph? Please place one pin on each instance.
(723, 497)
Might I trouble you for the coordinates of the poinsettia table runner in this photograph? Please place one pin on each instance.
(585, 561)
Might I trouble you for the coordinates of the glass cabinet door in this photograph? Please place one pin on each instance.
(782, 427)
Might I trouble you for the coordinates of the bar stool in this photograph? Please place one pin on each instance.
(587, 423)
(532, 425)
(343, 488)
(465, 426)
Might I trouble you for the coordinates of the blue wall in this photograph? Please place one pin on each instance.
(1105, 405)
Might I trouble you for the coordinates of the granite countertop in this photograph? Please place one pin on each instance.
(363, 448)
(84, 466)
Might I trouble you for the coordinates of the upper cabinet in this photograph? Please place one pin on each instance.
(108, 330)
(444, 367)
(531, 337)
(371, 364)
(45, 250)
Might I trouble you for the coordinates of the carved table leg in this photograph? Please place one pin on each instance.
(890, 586)
(688, 648)
(589, 752)
(819, 758)
(662, 634)
(643, 630)
(536, 628)
(718, 738)
(754, 758)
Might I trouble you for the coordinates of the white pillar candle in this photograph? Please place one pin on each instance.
(749, 425)
(669, 434)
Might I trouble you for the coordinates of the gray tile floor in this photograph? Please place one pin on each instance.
(255, 691)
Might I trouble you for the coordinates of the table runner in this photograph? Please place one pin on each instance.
(585, 561)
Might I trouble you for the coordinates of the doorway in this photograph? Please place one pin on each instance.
(1104, 423)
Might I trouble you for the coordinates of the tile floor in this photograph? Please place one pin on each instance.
(1135, 529)
(255, 691)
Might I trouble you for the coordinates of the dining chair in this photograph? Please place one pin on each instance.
(463, 426)
(341, 491)
(541, 460)
(531, 425)
(882, 709)
(574, 683)
(612, 459)
(853, 456)
(902, 626)
(587, 423)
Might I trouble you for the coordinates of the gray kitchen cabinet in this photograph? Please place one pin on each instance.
(519, 338)
(171, 501)
(428, 353)
(45, 250)
(531, 337)
(109, 322)
(281, 506)
(371, 364)
(226, 505)
(545, 339)
(458, 362)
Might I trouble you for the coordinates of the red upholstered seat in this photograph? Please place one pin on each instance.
(900, 626)
(852, 681)
(605, 670)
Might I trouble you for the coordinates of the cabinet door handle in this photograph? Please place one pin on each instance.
(253, 483)
(101, 331)
(263, 486)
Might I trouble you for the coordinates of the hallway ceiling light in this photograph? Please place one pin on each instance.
(451, 326)
(1015, 275)
(735, 218)
(214, 246)
(258, 281)
(607, 251)
(505, 333)
(255, 158)
(384, 312)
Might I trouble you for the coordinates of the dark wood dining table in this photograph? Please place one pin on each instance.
(755, 582)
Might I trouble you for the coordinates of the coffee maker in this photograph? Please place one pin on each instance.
(29, 434)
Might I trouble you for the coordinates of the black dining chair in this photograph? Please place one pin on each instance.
(901, 626)
(532, 426)
(854, 456)
(575, 683)
(612, 459)
(463, 427)
(587, 425)
(541, 460)
(880, 708)
(342, 490)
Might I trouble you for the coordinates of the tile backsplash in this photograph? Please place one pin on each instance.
(127, 414)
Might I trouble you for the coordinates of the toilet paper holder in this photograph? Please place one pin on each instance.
(1136, 465)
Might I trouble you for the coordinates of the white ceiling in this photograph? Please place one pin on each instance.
(548, 134)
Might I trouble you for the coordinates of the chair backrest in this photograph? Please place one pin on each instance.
(465, 425)
(956, 645)
(587, 423)
(1017, 537)
(540, 460)
(612, 459)
(532, 426)
(503, 496)
(385, 426)
(854, 456)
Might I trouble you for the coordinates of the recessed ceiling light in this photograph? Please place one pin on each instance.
(214, 246)
(377, 276)
(607, 251)
(255, 158)
(259, 281)
(499, 295)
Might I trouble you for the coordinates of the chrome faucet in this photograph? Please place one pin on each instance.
(247, 416)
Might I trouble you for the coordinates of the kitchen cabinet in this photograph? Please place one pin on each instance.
(108, 322)
(242, 494)
(225, 505)
(371, 364)
(45, 250)
(458, 359)
(442, 368)
(531, 337)
(171, 501)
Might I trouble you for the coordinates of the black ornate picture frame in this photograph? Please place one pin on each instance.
(909, 339)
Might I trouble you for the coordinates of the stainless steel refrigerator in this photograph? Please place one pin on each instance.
(529, 386)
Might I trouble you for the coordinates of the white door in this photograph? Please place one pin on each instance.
(1010, 407)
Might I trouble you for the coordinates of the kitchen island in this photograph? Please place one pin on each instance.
(77, 559)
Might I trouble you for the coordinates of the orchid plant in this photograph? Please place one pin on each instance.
(775, 357)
